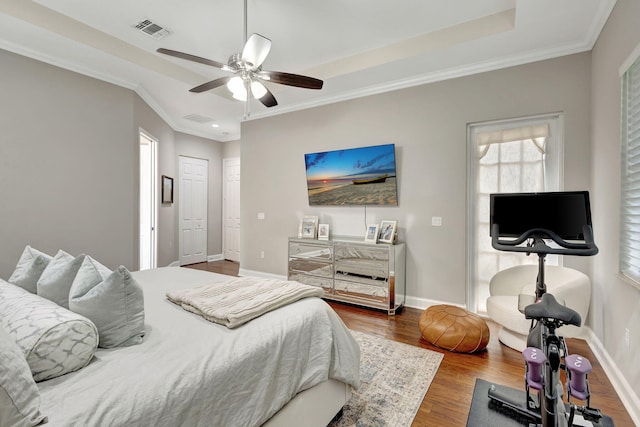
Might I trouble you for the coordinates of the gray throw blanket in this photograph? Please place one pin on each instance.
(237, 301)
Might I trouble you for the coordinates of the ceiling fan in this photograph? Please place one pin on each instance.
(247, 69)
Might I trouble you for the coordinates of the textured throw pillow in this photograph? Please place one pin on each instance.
(113, 300)
(30, 266)
(54, 340)
(19, 395)
(56, 279)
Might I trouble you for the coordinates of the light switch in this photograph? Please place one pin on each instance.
(260, 215)
(436, 221)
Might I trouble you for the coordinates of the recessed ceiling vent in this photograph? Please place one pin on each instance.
(152, 29)
(198, 118)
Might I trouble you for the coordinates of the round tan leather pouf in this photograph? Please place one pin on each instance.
(454, 329)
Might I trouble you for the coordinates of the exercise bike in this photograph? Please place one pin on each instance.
(546, 353)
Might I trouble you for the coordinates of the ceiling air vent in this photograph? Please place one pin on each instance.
(152, 29)
(198, 118)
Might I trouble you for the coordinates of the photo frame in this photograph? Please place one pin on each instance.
(323, 231)
(309, 227)
(387, 231)
(371, 236)
(167, 189)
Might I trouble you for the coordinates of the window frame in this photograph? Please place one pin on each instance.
(629, 112)
(554, 181)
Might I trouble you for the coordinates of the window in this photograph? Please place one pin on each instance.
(630, 171)
(506, 157)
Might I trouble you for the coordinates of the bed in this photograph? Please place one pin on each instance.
(292, 366)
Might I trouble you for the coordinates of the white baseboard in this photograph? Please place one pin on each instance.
(217, 257)
(424, 303)
(620, 384)
(210, 258)
(245, 272)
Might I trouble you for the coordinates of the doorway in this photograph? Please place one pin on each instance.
(148, 249)
(231, 208)
(192, 211)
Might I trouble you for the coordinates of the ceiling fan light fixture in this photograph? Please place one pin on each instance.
(258, 90)
(236, 86)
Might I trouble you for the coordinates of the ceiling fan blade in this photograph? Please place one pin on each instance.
(290, 79)
(194, 58)
(211, 85)
(256, 50)
(267, 98)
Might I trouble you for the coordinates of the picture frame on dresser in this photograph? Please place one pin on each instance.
(323, 231)
(309, 227)
(371, 235)
(387, 231)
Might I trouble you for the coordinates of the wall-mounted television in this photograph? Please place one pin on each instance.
(564, 213)
(353, 176)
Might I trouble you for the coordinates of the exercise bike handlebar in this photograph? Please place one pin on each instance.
(586, 248)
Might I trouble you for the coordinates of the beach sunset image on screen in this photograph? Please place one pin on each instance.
(354, 176)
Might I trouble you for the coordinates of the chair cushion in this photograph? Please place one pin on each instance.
(504, 311)
(454, 329)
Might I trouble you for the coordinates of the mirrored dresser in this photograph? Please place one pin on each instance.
(351, 270)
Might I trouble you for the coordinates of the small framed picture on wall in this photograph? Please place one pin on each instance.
(167, 189)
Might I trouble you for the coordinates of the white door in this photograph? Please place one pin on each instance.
(192, 216)
(231, 207)
(148, 208)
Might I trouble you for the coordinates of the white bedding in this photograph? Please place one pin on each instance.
(190, 372)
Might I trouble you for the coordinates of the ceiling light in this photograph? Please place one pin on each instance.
(215, 125)
(236, 86)
(258, 90)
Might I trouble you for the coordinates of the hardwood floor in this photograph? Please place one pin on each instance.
(448, 400)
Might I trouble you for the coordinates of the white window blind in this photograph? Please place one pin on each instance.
(630, 180)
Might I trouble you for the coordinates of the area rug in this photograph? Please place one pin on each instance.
(395, 378)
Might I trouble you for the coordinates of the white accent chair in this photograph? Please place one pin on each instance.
(566, 284)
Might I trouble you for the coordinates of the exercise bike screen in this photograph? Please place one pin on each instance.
(564, 213)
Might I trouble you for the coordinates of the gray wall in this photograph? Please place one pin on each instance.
(69, 167)
(428, 124)
(615, 303)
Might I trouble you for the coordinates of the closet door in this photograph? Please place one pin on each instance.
(192, 216)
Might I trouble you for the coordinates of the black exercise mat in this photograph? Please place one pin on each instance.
(485, 412)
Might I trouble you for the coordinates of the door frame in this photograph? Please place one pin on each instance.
(151, 170)
(226, 199)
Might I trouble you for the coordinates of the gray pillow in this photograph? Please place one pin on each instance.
(19, 395)
(53, 340)
(56, 279)
(113, 301)
(30, 266)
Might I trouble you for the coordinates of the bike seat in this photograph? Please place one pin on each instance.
(549, 308)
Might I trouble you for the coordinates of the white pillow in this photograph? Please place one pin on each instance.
(113, 300)
(56, 279)
(54, 340)
(19, 395)
(30, 266)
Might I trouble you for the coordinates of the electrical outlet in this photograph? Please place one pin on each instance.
(262, 254)
(626, 338)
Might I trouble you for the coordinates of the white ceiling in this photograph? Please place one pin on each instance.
(358, 47)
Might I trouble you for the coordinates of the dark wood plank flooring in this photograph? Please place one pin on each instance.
(448, 400)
